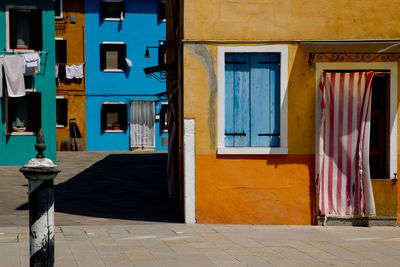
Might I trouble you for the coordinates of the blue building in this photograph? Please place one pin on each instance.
(124, 109)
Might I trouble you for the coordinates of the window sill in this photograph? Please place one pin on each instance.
(113, 70)
(22, 133)
(113, 19)
(114, 131)
(252, 150)
(58, 18)
(60, 126)
(16, 50)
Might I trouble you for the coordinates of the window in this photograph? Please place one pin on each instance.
(58, 9)
(25, 29)
(113, 10)
(62, 112)
(61, 51)
(252, 113)
(163, 117)
(24, 114)
(112, 56)
(114, 117)
(161, 11)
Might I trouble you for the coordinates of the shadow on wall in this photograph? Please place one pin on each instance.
(121, 186)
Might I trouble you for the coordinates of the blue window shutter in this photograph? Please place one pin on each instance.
(229, 100)
(265, 99)
(237, 99)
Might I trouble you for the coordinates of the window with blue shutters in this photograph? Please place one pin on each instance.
(252, 93)
(252, 103)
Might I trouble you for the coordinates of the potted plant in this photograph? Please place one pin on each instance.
(18, 126)
(65, 144)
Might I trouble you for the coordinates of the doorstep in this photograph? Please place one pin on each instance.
(359, 221)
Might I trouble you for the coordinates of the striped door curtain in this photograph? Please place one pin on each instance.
(344, 180)
(142, 123)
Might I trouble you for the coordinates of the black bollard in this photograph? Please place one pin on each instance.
(41, 172)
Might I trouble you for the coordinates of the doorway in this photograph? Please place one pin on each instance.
(142, 132)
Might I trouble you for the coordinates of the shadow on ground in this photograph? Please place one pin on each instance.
(121, 186)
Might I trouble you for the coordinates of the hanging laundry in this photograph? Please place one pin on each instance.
(14, 70)
(78, 71)
(69, 72)
(1, 77)
(74, 71)
(57, 77)
(32, 63)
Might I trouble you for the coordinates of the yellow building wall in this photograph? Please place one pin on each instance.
(270, 189)
(290, 20)
(258, 189)
(74, 89)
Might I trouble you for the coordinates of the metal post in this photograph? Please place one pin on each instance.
(41, 172)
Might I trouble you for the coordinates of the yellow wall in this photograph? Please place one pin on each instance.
(269, 189)
(73, 90)
(260, 189)
(290, 19)
(251, 189)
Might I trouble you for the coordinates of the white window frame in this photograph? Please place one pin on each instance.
(8, 7)
(61, 11)
(283, 148)
(373, 66)
(114, 70)
(121, 18)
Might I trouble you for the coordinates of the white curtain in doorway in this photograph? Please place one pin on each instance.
(344, 180)
(142, 123)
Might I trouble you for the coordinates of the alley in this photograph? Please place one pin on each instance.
(96, 187)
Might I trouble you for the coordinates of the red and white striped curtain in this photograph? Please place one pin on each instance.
(344, 179)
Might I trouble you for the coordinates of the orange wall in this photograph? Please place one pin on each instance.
(73, 90)
(259, 189)
(268, 189)
(251, 189)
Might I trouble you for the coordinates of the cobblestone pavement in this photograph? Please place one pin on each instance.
(111, 210)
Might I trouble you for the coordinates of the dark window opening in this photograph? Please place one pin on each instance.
(61, 51)
(163, 118)
(112, 56)
(161, 11)
(25, 29)
(113, 10)
(114, 117)
(379, 136)
(24, 113)
(62, 112)
(58, 11)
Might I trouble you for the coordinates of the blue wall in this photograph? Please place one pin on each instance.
(140, 28)
(17, 150)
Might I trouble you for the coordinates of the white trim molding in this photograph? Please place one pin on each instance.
(284, 77)
(373, 66)
(189, 160)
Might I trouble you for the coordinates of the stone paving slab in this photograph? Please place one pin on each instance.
(174, 244)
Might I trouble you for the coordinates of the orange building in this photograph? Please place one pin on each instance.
(70, 74)
(226, 173)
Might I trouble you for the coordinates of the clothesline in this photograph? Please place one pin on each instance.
(13, 52)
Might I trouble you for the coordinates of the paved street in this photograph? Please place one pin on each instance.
(112, 210)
